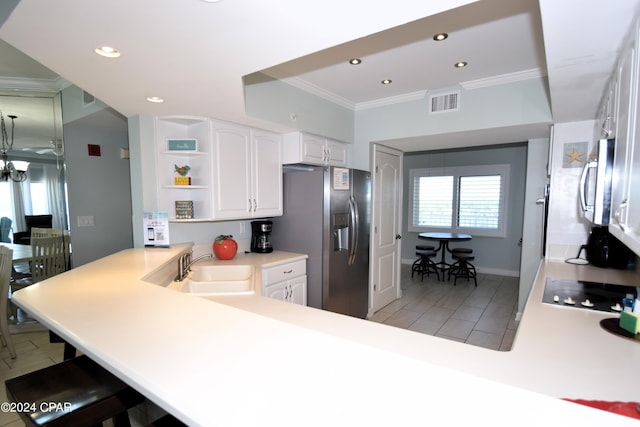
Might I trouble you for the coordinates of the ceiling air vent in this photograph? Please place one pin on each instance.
(444, 102)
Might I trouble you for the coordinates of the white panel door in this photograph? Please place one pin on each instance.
(386, 221)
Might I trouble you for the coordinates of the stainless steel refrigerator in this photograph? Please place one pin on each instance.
(327, 215)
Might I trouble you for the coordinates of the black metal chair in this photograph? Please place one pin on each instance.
(424, 264)
(462, 267)
(461, 251)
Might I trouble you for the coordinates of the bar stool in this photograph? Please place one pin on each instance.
(463, 268)
(76, 392)
(461, 251)
(424, 264)
(417, 264)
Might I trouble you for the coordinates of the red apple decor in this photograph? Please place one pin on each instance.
(224, 247)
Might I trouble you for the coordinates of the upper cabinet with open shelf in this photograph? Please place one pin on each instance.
(219, 170)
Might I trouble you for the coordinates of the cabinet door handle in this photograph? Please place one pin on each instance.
(288, 272)
(618, 212)
(255, 205)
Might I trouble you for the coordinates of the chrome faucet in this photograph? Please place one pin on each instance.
(185, 263)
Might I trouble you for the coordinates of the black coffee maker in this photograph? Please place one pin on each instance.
(604, 250)
(260, 231)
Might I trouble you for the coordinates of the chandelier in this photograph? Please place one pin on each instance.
(16, 170)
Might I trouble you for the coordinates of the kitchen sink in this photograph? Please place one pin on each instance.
(219, 280)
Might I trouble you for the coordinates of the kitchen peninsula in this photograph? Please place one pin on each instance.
(250, 360)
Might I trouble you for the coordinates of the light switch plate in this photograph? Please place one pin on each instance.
(86, 221)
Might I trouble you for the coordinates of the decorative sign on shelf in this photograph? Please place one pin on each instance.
(188, 144)
(184, 209)
(156, 229)
(183, 179)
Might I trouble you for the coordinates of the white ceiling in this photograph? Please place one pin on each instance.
(194, 54)
(496, 38)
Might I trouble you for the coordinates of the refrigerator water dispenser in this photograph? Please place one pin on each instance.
(340, 223)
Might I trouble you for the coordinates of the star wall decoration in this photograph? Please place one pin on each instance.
(574, 154)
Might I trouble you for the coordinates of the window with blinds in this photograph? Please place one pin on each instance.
(459, 199)
(433, 206)
(479, 201)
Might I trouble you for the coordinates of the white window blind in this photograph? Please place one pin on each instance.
(432, 202)
(480, 200)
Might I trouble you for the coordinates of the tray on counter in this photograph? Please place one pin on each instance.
(612, 325)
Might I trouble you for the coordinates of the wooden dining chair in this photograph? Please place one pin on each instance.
(48, 257)
(6, 261)
(37, 233)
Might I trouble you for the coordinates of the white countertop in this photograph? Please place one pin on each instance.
(249, 360)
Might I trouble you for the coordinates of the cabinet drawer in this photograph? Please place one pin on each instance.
(282, 272)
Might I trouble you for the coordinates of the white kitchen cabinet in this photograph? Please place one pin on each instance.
(231, 170)
(606, 118)
(266, 161)
(625, 200)
(197, 160)
(286, 282)
(337, 153)
(235, 171)
(301, 147)
(247, 172)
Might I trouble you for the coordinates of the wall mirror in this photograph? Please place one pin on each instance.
(37, 139)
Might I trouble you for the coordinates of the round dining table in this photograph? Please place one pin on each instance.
(444, 238)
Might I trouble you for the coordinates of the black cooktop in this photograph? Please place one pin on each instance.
(602, 296)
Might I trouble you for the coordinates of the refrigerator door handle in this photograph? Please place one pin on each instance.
(354, 221)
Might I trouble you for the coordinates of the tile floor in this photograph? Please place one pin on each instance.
(34, 352)
(482, 316)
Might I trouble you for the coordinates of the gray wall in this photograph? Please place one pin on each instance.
(519, 104)
(493, 255)
(99, 187)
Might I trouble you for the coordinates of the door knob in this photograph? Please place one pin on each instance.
(540, 201)
(398, 237)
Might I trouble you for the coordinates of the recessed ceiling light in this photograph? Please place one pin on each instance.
(386, 82)
(440, 36)
(355, 61)
(107, 51)
(155, 99)
(460, 64)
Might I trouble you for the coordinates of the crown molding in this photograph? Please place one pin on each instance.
(413, 96)
(343, 102)
(503, 78)
(42, 85)
(318, 91)
(391, 100)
